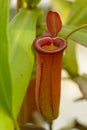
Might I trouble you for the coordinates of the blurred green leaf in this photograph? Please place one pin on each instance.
(77, 16)
(6, 123)
(78, 13)
(79, 36)
(5, 76)
(69, 60)
(22, 33)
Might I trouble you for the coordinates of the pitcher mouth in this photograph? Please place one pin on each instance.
(49, 44)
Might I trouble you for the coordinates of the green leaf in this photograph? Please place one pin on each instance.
(79, 36)
(69, 59)
(78, 13)
(77, 16)
(5, 76)
(22, 33)
(6, 123)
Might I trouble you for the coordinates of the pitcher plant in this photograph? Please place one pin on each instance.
(49, 52)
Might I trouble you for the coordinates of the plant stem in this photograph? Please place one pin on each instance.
(75, 30)
(50, 125)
